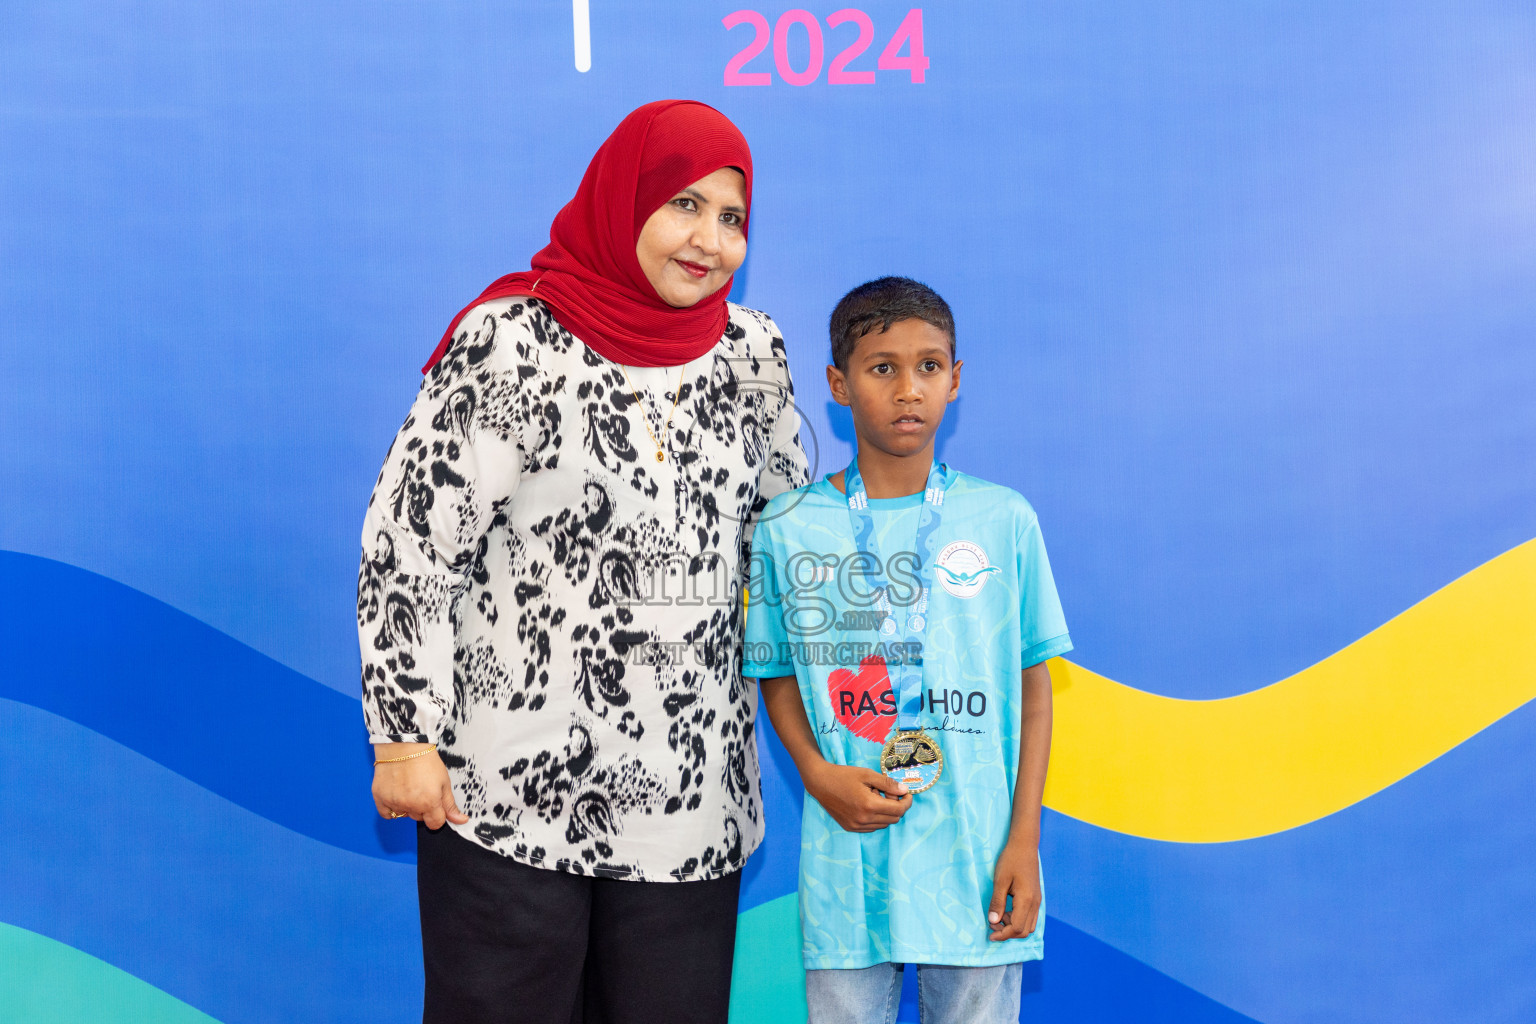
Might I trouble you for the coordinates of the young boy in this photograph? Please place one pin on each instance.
(900, 617)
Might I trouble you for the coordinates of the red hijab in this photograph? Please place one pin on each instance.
(588, 273)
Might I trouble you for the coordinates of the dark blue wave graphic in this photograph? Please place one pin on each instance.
(242, 918)
(1416, 906)
(192, 698)
(118, 856)
(1091, 982)
(1087, 981)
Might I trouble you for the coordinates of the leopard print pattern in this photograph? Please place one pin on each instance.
(560, 612)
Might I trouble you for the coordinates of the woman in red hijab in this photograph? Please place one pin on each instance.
(549, 609)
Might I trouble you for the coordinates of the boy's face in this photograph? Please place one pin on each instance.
(897, 385)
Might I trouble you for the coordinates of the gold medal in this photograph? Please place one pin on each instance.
(912, 758)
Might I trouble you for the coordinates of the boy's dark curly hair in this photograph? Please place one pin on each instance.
(876, 305)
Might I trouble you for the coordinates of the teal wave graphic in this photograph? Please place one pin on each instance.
(47, 982)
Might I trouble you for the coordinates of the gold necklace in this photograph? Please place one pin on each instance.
(645, 410)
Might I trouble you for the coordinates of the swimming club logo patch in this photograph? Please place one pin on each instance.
(963, 569)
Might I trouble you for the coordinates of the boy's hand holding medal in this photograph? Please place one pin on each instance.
(858, 799)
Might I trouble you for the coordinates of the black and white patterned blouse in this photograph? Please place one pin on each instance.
(559, 610)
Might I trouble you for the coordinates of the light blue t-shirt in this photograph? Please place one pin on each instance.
(916, 892)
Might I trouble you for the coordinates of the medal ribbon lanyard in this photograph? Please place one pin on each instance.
(907, 672)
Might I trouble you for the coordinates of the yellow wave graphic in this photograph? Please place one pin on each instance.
(1213, 771)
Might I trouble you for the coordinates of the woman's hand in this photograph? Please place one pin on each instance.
(859, 799)
(418, 788)
(1018, 875)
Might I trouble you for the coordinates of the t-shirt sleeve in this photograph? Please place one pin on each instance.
(1042, 626)
(766, 647)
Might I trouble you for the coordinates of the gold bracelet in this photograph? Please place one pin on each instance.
(420, 753)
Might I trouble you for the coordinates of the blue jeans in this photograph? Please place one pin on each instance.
(945, 995)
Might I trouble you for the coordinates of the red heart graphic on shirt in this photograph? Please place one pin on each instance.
(863, 701)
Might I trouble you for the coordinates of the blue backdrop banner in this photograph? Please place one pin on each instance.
(1245, 294)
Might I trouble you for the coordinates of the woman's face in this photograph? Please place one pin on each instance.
(694, 242)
